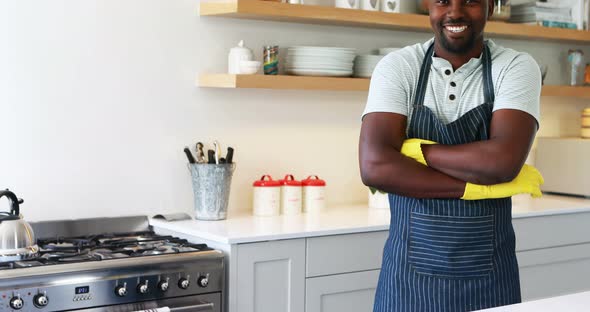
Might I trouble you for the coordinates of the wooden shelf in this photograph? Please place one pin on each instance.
(284, 82)
(295, 13)
(579, 92)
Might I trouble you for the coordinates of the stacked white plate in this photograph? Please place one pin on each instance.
(365, 64)
(320, 61)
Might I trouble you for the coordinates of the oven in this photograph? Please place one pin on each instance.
(114, 265)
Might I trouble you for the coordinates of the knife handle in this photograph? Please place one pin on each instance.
(230, 155)
(211, 155)
(189, 155)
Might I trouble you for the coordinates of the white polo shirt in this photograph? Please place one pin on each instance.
(450, 94)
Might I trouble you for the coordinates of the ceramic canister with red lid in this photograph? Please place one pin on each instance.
(290, 195)
(267, 197)
(314, 190)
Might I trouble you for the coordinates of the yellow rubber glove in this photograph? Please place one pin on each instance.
(413, 149)
(528, 181)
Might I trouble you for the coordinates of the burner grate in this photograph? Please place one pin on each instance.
(59, 250)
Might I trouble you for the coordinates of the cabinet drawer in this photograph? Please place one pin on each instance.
(551, 230)
(344, 253)
(350, 292)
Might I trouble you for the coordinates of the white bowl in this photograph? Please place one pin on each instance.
(249, 67)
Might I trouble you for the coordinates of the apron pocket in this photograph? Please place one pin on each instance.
(451, 246)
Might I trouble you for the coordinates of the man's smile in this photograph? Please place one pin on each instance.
(456, 28)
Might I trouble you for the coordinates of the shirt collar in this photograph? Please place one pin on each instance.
(441, 64)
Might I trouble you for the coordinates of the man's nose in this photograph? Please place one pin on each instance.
(456, 9)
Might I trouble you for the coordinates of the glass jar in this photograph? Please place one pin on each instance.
(501, 10)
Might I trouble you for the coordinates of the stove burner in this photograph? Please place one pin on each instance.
(104, 247)
(27, 264)
(7, 266)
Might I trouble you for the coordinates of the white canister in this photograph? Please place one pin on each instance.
(314, 194)
(267, 197)
(378, 200)
(236, 56)
(290, 195)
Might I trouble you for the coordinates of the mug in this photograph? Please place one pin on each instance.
(398, 6)
(346, 4)
(370, 5)
(295, 1)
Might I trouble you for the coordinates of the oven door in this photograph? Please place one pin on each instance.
(197, 303)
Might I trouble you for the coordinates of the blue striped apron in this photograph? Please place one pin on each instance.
(449, 254)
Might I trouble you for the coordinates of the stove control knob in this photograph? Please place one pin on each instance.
(163, 285)
(121, 290)
(143, 288)
(203, 281)
(40, 300)
(16, 303)
(184, 283)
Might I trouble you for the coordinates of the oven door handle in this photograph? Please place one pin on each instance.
(197, 307)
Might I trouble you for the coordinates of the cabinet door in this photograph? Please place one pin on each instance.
(271, 276)
(553, 272)
(350, 292)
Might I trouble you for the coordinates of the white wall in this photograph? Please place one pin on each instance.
(98, 99)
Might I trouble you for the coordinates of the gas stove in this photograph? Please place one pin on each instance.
(62, 250)
(112, 264)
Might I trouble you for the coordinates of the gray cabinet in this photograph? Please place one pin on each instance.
(271, 276)
(554, 271)
(553, 254)
(350, 292)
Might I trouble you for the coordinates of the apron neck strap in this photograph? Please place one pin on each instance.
(488, 82)
(488, 86)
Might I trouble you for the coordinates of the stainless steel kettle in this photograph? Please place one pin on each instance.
(17, 240)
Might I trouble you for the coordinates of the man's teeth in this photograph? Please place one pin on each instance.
(456, 29)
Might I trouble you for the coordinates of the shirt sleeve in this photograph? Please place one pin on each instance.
(520, 87)
(389, 91)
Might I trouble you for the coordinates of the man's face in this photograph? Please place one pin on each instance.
(458, 24)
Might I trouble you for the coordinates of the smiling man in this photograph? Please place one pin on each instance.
(446, 131)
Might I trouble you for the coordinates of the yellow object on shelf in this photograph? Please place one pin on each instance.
(585, 124)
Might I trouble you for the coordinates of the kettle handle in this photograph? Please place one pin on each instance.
(14, 201)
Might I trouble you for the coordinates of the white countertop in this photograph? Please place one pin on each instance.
(579, 302)
(246, 228)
